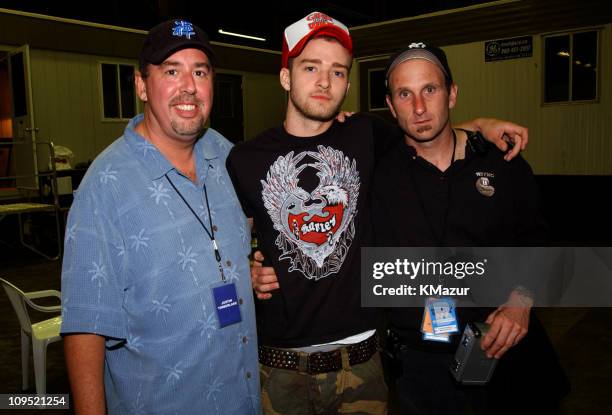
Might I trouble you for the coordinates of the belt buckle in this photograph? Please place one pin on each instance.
(303, 362)
(311, 360)
(322, 362)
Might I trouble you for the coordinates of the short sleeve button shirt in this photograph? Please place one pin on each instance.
(139, 269)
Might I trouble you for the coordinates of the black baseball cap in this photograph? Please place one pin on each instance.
(171, 36)
(420, 50)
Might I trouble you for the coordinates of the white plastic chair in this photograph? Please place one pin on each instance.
(42, 333)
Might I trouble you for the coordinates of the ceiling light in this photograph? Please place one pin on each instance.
(223, 32)
(563, 53)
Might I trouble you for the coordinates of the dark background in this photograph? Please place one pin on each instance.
(261, 19)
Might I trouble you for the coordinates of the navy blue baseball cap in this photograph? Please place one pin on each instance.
(171, 36)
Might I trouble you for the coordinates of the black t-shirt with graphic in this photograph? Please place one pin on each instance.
(309, 199)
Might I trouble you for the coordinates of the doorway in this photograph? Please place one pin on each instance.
(227, 115)
(6, 124)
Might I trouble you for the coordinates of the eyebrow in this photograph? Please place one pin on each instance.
(176, 63)
(399, 89)
(204, 65)
(319, 61)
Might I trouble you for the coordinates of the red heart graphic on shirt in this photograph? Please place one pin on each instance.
(319, 228)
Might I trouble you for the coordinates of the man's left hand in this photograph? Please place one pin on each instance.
(498, 132)
(508, 327)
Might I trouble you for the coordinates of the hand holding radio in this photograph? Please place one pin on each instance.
(508, 326)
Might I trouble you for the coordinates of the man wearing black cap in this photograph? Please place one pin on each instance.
(305, 184)
(158, 314)
(434, 189)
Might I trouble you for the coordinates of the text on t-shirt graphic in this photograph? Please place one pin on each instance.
(315, 228)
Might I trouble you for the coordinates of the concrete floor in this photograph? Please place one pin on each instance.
(582, 338)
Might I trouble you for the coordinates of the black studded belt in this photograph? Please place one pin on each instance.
(319, 362)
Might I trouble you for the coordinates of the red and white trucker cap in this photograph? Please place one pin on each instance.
(316, 23)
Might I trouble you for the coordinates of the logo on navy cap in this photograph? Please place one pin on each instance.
(183, 28)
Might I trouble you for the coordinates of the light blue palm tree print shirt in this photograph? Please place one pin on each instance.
(139, 270)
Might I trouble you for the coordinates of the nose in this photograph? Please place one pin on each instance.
(419, 105)
(323, 81)
(188, 84)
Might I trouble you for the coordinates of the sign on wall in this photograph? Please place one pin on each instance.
(518, 47)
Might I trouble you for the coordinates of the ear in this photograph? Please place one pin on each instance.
(141, 88)
(390, 105)
(285, 79)
(452, 95)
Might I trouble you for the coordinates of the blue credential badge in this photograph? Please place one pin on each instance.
(443, 316)
(427, 326)
(226, 303)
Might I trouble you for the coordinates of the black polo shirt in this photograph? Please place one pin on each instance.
(481, 200)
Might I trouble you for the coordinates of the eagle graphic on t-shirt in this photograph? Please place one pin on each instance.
(315, 228)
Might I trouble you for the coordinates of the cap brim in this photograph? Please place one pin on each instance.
(161, 56)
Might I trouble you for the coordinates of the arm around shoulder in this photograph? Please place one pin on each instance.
(499, 132)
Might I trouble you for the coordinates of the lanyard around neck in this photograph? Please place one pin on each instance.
(211, 232)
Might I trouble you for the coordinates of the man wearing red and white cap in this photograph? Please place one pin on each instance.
(306, 183)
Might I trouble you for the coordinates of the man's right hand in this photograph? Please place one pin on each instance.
(263, 279)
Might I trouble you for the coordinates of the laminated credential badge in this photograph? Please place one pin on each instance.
(226, 303)
(443, 315)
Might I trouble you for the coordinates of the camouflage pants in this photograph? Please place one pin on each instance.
(358, 389)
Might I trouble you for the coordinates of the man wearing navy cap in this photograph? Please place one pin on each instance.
(158, 313)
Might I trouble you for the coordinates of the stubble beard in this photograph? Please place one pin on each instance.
(312, 111)
(417, 134)
(188, 128)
